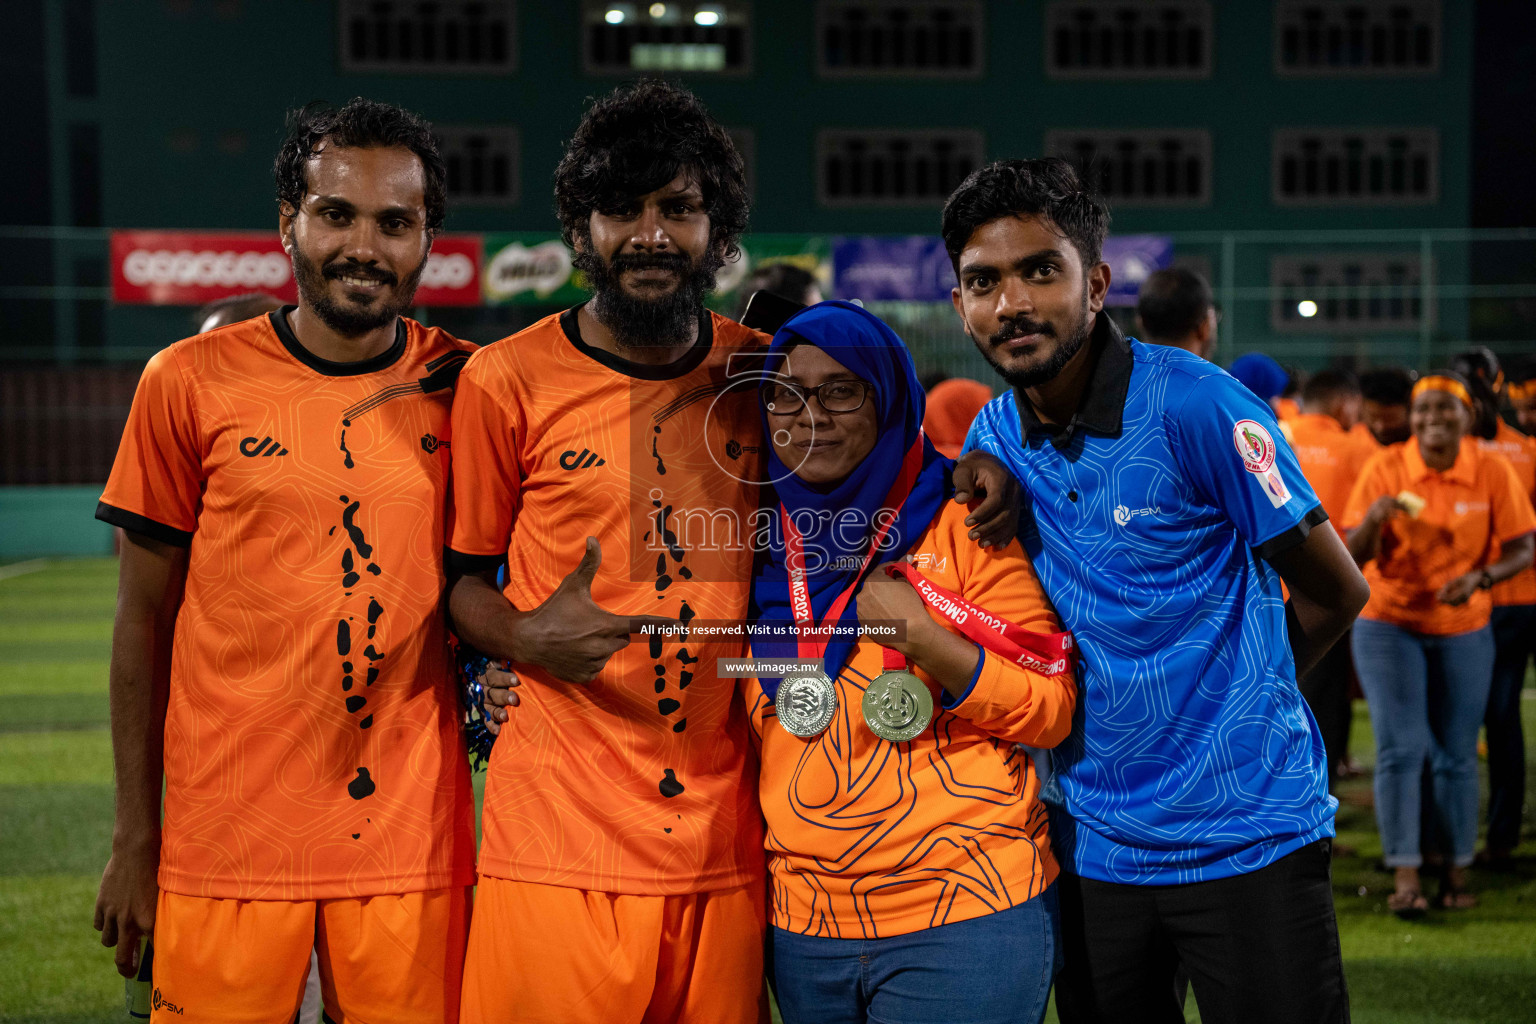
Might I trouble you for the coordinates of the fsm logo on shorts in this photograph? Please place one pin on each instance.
(159, 1002)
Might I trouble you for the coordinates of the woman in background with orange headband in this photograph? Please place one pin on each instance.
(1434, 522)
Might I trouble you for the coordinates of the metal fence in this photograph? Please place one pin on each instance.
(1308, 298)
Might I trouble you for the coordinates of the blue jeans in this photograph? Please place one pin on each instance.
(996, 968)
(1427, 696)
(1514, 638)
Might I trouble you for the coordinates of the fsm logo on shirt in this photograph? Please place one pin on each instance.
(1124, 513)
(1257, 449)
(928, 560)
(1463, 507)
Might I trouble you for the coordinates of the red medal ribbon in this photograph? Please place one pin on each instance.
(794, 561)
(1047, 653)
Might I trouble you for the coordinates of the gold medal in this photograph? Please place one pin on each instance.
(806, 703)
(897, 706)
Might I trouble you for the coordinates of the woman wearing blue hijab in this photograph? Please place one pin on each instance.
(908, 853)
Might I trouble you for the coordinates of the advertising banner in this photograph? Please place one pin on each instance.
(532, 266)
(528, 266)
(1131, 258)
(916, 268)
(189, 268)
(811, 253)
(891, 268)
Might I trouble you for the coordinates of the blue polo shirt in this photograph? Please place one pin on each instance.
(1149, 517)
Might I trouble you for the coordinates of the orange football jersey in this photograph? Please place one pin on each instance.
(312, 745)
(1520, 451)
(868, 838)
(639, 782)
(1331, 459)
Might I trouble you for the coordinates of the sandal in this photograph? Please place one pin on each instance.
(1453, 891)
(1455, 899)
(1408, 904)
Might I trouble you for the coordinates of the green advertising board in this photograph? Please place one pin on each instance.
(535, 266)
(811, 253)
(528, 266)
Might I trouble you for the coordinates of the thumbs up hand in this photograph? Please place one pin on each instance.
(572, 637)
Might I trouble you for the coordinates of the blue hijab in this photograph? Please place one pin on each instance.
(864, 344)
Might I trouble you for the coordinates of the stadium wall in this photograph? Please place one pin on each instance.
(52, 522)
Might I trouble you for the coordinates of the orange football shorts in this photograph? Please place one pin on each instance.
(547, 954)
(396, 958)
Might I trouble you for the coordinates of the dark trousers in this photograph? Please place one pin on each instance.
(1326, 691)
(1514, 640)
(1257, 948)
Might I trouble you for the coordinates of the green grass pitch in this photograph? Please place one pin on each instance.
(1471, 967)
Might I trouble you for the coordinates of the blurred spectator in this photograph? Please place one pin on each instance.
(1263, 376)
(1521, 392)
(1175, 308)
(1514, 621)
(931, 380)
(1423, 521)
(1384, 408)
(235, 308)
(785, 280)
(1331, 458)
(952, 405)
(1289, 405)
(1480, 367)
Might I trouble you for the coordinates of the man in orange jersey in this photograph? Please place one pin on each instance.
(279, 655)
(1331, 455)
(622, 867)
(1513, 621)
(600, 456)
(1384, 394)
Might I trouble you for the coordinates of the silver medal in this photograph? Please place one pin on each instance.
(897, 706)
(806, 703)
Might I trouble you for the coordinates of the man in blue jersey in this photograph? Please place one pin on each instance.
(1163, 510)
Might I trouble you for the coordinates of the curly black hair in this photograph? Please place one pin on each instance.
(365, 124)
(635, 140)
(1008, 188)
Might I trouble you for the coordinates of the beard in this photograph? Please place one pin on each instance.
(1047, 369)
(643, 322)
(353, 321)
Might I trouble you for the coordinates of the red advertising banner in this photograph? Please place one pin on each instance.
(189, 268)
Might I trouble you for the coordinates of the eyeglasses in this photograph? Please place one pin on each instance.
(834, 396)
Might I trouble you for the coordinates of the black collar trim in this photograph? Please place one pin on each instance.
(1102, 409)
(643, 371)
(373, 364)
